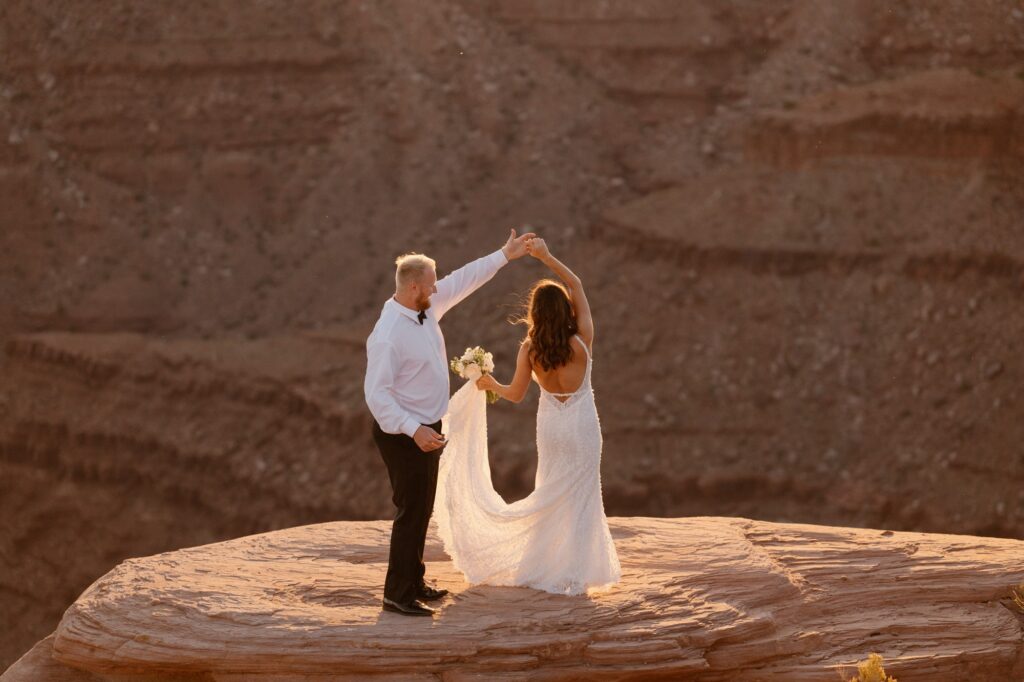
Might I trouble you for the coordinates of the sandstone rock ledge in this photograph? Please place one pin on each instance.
(702, 598)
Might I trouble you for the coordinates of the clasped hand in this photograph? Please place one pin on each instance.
(537, 248)
(515, 247)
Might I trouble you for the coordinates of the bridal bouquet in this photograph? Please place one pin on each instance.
(473, 364)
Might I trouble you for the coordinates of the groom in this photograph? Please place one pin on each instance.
(407, 389)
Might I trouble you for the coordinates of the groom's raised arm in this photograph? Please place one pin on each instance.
(460, 283)
(467, 279)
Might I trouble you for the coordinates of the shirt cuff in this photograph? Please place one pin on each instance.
(409, 427)
(500, 259)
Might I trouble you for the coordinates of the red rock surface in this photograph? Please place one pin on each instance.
(799, 223)
(702, 598)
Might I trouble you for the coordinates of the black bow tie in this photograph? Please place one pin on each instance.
(422, 316)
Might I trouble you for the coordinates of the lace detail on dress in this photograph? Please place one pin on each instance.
(557, 538)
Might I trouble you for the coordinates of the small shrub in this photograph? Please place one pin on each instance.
(1018, 596)
(871, 671)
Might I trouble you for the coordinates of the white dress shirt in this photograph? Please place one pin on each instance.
(407, 382)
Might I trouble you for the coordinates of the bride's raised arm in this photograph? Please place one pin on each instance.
(537, 248)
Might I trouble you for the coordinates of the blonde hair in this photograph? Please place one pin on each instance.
(410, 267)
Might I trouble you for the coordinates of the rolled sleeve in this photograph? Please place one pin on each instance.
(409, 427)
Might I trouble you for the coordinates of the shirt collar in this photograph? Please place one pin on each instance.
(411, 314)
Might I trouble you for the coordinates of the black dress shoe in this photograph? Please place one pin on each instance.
(412, 608)
(428, 593)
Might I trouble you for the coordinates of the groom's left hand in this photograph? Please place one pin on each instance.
(515, 247)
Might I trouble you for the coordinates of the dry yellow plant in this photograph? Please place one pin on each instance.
(871, 671)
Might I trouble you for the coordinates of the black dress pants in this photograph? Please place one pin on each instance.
(413, 475)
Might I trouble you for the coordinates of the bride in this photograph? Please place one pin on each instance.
(557, 538)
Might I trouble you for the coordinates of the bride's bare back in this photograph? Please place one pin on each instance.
(567, 378)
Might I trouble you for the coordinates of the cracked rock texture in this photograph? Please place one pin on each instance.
(701, 598)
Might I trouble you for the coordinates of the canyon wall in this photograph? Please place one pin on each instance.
(798, 223)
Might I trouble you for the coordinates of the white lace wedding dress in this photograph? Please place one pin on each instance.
(557, 538)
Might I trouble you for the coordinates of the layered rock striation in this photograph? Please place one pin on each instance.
(701, 598)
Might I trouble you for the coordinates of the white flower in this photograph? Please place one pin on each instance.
(473, 364)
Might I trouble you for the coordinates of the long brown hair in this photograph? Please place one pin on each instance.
(551, 322)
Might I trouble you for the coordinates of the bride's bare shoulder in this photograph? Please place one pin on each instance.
(579, 340)
(524, 349)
